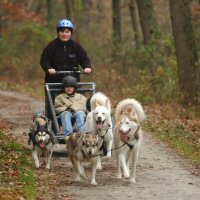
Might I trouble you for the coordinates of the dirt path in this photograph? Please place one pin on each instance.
(161, 174)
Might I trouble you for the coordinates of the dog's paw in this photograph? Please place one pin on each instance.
(126, 175)
(108, 155)
(37, 165)
(83, 176)
(77, 178)
(119, 176)
(47, 167)
(132, 180)
(99, 167)
(93, 182)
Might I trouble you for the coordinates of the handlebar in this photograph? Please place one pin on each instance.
(69, 72)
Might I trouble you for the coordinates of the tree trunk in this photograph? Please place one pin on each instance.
(50, 7)
(186, 53)
(134, 20)
(1, 26)
(116, 19)
(69, 9)
(147, 19)
(35, 5)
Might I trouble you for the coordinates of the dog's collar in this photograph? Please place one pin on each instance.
(136, 137)
(129, 145)
(134, 133)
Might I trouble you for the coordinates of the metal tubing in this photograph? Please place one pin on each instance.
(52, 109)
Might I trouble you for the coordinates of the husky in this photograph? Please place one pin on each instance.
(41, 137)
(128, 136)
(81, 148)
(99, 122)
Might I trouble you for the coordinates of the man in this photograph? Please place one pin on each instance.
(63, 54)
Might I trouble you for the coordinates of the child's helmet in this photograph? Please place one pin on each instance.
(64, 23)
(69, 81)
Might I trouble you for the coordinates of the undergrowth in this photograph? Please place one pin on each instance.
(176, 127)
(17, 178)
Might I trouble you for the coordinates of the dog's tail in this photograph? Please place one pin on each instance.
(100, 99)
(133, 103)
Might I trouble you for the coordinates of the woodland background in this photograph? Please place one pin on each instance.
(130, 42)
(143, 49)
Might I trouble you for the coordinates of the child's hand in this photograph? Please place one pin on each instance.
(70, 110)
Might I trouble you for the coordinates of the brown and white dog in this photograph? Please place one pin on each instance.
(81, 148)
(128, 136)
(41, 138)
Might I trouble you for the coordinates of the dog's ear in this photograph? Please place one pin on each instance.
(84, 139)
(122, 112)
(96, 104)
(95, 137)
(107, 104)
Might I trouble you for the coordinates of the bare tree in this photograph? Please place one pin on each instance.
(134, 20)
(116, 19)
(69, 9)
(50, 12)
(147, 18)
(35, 5)
(186, 53)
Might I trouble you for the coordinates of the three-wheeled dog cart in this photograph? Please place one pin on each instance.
(54, 89)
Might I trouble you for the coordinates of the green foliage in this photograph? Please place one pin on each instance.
(21, 50)
(17, 176)
(152, 69)
(178, 134)
(78, 7)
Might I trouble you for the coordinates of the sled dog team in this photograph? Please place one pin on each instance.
(123, 140)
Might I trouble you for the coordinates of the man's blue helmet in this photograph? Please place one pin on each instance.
(64, 23)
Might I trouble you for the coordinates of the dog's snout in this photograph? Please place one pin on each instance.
(99, 118)
(90, 151)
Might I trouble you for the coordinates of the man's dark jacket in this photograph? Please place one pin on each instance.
(63, 56)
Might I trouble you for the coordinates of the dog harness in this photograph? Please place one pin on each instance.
(136, 137)
(103, 145)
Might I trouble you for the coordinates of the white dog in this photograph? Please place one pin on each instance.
(128, 136)
(99, 121)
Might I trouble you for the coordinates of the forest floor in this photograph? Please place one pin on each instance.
(161, 173)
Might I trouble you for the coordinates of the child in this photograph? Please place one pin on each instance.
(71, 105)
